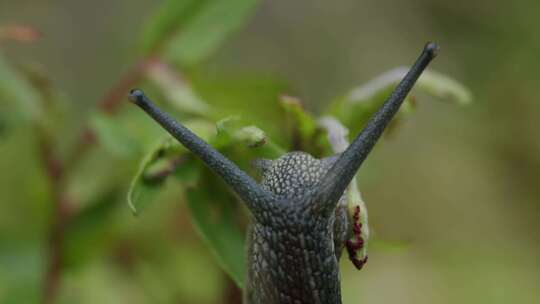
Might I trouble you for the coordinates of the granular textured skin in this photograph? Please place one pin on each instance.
(293, 256)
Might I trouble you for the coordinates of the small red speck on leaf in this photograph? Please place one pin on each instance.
(357, 243)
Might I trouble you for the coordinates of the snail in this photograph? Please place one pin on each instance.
(295, 237)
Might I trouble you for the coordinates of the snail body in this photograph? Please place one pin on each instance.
(293, 256)
(299, 227)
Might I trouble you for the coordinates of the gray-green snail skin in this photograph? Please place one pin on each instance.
(293, 256)
(298, 227)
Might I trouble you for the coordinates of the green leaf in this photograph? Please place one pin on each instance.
(23, 268)
(233, 132)
(169, 158)
(215, 217)
(18, 96)
(211, 204)
(250, 136)
(88, 189)
(305, 123)
(113, 136)
(170, 16)
(146, 185)
(226, 128)
(177, 92)
(165, 158)
(306, 135)
(361, 102)
(431, 82)
(442, 86)
(252, 96)
(88, 232)
(188, 31)
(141, 191)
(129, 132)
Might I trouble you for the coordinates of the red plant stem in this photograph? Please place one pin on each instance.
(118, 93)
(109, 104)
(55, 169)
(55, 173)
(56, 241)
(231, 293)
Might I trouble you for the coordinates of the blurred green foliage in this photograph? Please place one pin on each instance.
(20, 98)
(453, 198)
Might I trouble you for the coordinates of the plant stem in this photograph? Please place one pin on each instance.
(231, 293)
(55, 170)
(55, 173)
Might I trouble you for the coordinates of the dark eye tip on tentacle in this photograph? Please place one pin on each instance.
(137, 96)
(432, 49)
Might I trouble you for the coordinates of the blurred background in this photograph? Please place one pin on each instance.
(453, 194)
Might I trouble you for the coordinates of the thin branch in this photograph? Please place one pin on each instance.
(109, 104)
(61, 215)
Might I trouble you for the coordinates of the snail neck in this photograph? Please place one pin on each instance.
(292, 263)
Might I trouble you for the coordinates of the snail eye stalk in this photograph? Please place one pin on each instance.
(247, 188)
(336, 180)
(333, 184)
